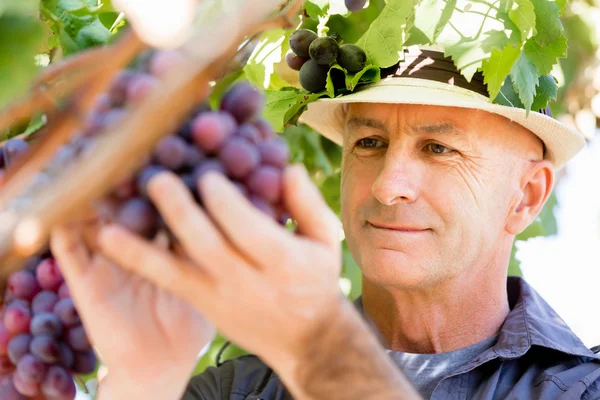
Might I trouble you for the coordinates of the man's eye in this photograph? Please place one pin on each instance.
(369, 143)
(436, 148)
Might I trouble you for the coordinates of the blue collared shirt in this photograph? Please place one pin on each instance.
(536, 356)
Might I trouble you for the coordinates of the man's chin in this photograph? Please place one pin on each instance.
(393, 268)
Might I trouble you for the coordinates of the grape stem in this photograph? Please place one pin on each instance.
(120, 151)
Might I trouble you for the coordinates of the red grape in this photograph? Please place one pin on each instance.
(210, 130)
(239, 157)
(49, 275)
(266, 183)
(243, 101)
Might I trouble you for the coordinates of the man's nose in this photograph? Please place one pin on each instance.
(397, 181)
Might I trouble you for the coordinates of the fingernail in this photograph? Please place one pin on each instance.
(159, 182)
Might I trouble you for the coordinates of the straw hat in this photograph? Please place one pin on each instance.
(427, 77)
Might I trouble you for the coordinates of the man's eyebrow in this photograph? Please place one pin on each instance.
(440, 128)
(359, 122)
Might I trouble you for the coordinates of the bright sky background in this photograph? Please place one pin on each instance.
(565, 268)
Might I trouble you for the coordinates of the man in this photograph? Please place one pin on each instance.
(436, 183)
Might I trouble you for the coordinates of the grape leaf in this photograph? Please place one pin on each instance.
(260, 68)
(507, 95)
(384, 39)
(278, 102)
(321, 8)
(524, 76)
(369, 74)
(431, 16)
(330, 84)
(498, 66)
(562, 4)
(522, 14)
(547, 90)
(20, 39)
(544, 58)
(547, 21)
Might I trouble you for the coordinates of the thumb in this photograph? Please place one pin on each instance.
(307, 206)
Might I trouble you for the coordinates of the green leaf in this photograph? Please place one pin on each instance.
(524, 76)
(321, 8)
(384, 40)
(351, 271)
(19, 7)
(260, 68)
(522, 14)
(544, 58)
(277, 104)
(547, 90)
(498, 66)
(547, 21)
(369, 74)
(20, 39)
(431, 16)
(514, 266)
(507, 95)
(562, 4)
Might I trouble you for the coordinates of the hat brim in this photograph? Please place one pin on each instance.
(327, 116)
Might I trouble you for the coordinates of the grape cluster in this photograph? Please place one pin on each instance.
(313, 56)
(355, 5)
(42, 340)
(232, 140)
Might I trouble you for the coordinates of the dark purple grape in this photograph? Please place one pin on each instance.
(64, 292)
(352, 58)
(355, 5)
(49, 275)
(239, 157)
(17, 319)
(300, 41)
(5, 337)
(23, 285)
(46, 348)
(18, 347)
(8, 391)
(145, 175)
(244, 102)
(125, 189)
(185, 132)
(266, 182)
(139, 216)
(66, 311)
(6, 367)
(294, 61)
(264, 128)
(46, 323)
(85, 362)
(171, 152)
(250, 133)
(190, 183)
(58, 384)
(31, 369)
(274, 152)
(44, 301)
(28, 388)
(77, 338)
(210, 130)
(324, 50)
(263, 206)
(66, 355)
(13, 149)
(118, 89)
(193, 156)
(313, 77)
(32, 263)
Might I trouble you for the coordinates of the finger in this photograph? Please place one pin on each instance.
(251, 231)
(306, 205)
(69, 250)
(158, 266)
(192, 227)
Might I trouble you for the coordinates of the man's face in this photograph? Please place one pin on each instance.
(426, 190)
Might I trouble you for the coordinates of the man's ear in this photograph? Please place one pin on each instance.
(536, 185)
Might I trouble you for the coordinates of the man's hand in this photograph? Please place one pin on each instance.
(261, 285)
(148, 338)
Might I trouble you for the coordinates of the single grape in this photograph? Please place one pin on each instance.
(250, 133)
(31, 369)
(239, 157)
(264, 128)
(18, 347)
(8, 391)
(140, 87)
(139, 216)
(58, 384)
(17, 319)
(13, 149)
(244, 102)
(170, 152)
(301, 40)
(28, 388)
(44, 301)
(324, 50)
(6, 367)
(313, 77)
(294, 61)
(85, 362)
(210, 130)
(355, 5)
(118, 89)
(266, 183)
(64, 292)
(274, 152)
(23, 285)
(49, 275)
(66, 311)
(77, 338)
(5, 337)
(263, 206)
(46, 323)
(165, 60)
(46, 348)
(352, 58)
(66, 355)
(144, 177)
(193, 156)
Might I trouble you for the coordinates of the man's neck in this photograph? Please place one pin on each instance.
(451, 316)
